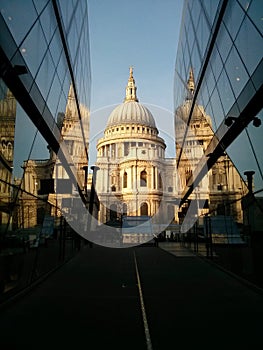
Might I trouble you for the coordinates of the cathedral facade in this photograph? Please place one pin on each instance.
(135, 178)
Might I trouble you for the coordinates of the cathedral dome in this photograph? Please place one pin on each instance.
(131, 112)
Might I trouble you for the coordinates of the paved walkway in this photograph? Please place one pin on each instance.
(107, 299)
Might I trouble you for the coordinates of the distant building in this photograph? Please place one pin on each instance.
(135, 178)
(133, 171)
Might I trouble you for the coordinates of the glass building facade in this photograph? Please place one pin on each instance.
(44, 130)
(219, 72)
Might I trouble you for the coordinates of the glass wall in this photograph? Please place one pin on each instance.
(44, 125)
(217, 89)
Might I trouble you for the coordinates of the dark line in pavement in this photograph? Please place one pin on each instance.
(144, 317)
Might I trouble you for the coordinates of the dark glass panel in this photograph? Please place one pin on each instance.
(66, 8)
(216, 62)
(210, 81)
(242, 154)
(40, 4)
(55, 49)
(217, 108)
(224, 42)
(19, 16)
(255, 13)
(53, 96)
(34, 48)
(204, 94)
(210, 111)
(195, 59)
(225, 91)
(45, 75)
(48, 22)
(7, 44)
(245, 4)
(249, 44)
(236, 72)
(25, 136)
(211, 8)
(233, 18)
(37, 98)
(73, 41)
(203, 34)
(246, 95)
(257, 75)
(195, 12)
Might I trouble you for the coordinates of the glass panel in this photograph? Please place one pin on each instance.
(195, 59)
(195, 12)
(62, 68)
(19, 16)
(204, 95)
(236, 72)
(217, 108)
(7, 44)
(210, 111)
(216, 63)
(203, 33)
(66, 84)
(225, 91)
(233, 18)
(245, 4)
(67, 12)
(243, 157)
(34, 48)
(257, 76)
(40, 4)
(25, 134)
(246, 95)
(249, 44)
(255, 13)
(190, 34)
(53, 96)
(45, 75)
(211, 8)
(48, 22)
(55, 48)
(224, 42)
(73, 41)
(210, 81)
(78, 18)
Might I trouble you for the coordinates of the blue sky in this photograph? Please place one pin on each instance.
(143, 34)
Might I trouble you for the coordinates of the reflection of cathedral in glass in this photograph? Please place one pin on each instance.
(221, 189)
(7, 134)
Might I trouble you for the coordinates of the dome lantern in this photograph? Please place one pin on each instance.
(131, 89)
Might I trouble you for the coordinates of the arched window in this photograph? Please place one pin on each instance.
(144, 209)
(113, 188)
(125, 176)
(143, 179)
